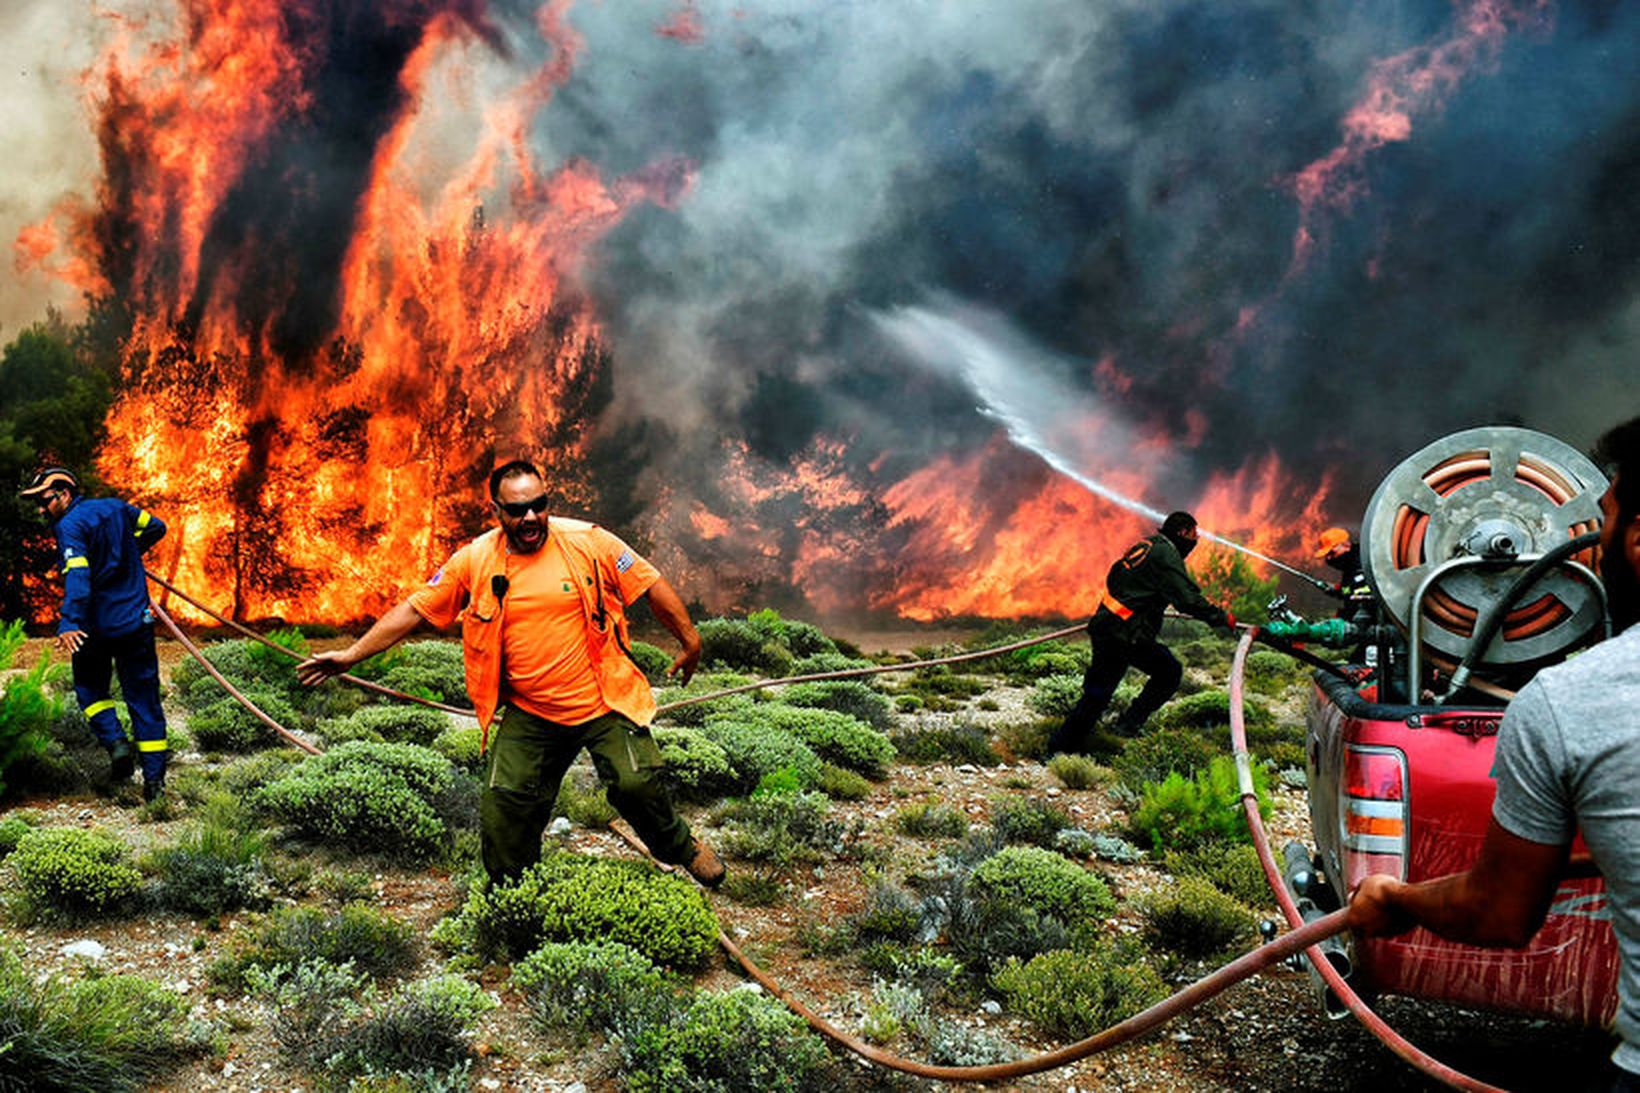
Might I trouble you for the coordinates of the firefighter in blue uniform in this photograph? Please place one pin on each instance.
(105, 622)
(1144, 582)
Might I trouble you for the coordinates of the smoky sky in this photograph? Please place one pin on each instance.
(1114, 179)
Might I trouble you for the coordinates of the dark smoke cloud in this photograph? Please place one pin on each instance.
(1111, 177)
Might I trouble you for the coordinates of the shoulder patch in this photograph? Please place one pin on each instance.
(435, 578)
(624, 562)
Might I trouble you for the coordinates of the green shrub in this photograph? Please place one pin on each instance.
(397, 724)
(1026, 738)
(211, 869)
(848, 696)
(74, 872)
(1194, 919)
(602, 987)
(1209, 709)
(27, 705)
(842, 785)
(1270, 672)
(226, 725)
(1233, 870)
(115, 1033)
(1046, 659)
(754, 888)
(12, 830)
(931, 820)
(1027, 820)
(741, 645)
(652, 661)
(781, 828)
(756, 749)
(196, 690)
(459, 744)
(1226, 577)
(699, 713)
(942, 680)
(696, 768)
(834, 737)
(1181, 813)
(1074, 994)
(429, 669)
(371, 941)
(1044, 882)
(734, 1041)
(1077, 771)
(243, 777)
(1056, 695)
(817, 663)
(367, 798)
(568, 897)
(422, 1029)
(313, 1003)
(890, 914)
(1153, 756)
(1208, 653)
(946, 744)
(583, 800)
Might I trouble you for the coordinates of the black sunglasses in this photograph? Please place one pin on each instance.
(519, 509)
(44, 500)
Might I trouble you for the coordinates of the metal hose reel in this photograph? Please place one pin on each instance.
(1454, 523)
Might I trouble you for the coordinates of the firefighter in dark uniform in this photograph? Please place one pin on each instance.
(1339, 550)
(105, 623)
(1139, 588)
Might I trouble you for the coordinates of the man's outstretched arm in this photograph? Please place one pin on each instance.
(1501, 901)
(669, 609)
(387, 631)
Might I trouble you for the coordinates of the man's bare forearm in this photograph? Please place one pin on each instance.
(386, 632)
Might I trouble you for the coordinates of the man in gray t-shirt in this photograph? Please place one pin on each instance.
(1568, 760)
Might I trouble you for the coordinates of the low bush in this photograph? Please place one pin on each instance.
(1152, 757)
(12, 830)
(244, 776)
(396, 724)
(733, 1041)
(756, 750)
(835, 737)
(698, 713)
(567, 897)
(459, 744)
(1270, 672)
(781, 828)
(1233, 870)
(1194, 919)
(602, 987)
(75, 873)
(112, 1033)
(1181, 813)
(890, 914)
(311, 1002)
(652, 661)
(1025, 738)
(212, 868)
(942, 680)
(1074, 994)
(582, 799)
(423, 1029)
(754, 888)
(248, 665)
(1209, 709)
(1042, 881)
(816, 663)
(373, 942)
(848, 696)
(960, 743)
(741, 645)
(841, 784)
(430, 669)
(696, 768)
(1027, 820)
(1078, 771)
(1056, 695)
(226, 725)
(931, 820)
(366, 797)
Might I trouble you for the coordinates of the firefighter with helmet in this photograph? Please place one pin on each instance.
(105, 624)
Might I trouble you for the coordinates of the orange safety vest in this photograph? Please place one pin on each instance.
(621, 683)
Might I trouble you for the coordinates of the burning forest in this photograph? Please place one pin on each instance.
(844, 312)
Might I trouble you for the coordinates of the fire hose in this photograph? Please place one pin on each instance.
(1261, 842)
(1303, 937)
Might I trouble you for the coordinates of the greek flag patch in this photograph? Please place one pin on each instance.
(435, 578)
(624, 562)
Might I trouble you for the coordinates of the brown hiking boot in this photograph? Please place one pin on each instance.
(705, 866)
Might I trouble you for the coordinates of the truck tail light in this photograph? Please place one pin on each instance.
(1374, 816)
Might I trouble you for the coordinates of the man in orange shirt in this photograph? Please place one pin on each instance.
(543, 626)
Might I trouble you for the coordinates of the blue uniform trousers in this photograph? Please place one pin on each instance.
(132, 655)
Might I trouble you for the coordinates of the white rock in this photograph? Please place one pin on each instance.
(991, 1006)
(228, 1069)
(1053, 791)
(488, 1083)
(750, 988)
(576, 1087)
(87, 948)
(560, 827)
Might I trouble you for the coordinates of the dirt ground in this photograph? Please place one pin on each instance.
(1265, 1034)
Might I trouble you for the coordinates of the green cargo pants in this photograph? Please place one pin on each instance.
(528, 756)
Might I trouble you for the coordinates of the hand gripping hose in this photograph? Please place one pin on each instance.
(1329, 975)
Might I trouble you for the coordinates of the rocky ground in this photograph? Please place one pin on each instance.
(1266, 1034)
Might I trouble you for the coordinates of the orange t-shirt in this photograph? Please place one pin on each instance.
(545, 666)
